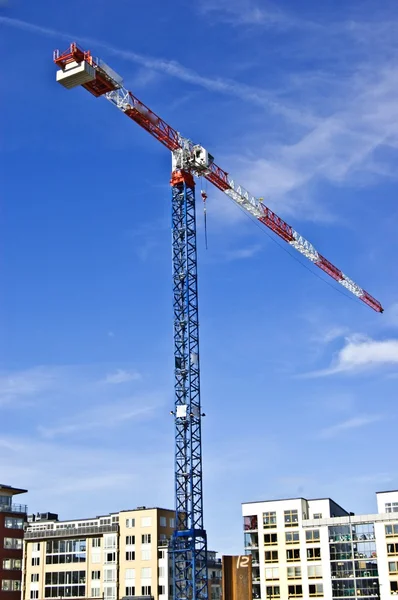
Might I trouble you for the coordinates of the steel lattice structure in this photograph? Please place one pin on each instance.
(189, 544)
(189, 540)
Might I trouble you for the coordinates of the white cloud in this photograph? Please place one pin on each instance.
(20, 386)
(352, 423)
(106, 416)
(171, 68)
(243, 253)
(330, 334)
(246, 12)
(122, 376)
(53, 472)
(361, 353)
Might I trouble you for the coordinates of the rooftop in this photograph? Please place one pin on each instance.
(11, 490)
(298, 498)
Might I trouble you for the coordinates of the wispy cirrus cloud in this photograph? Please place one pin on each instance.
(18, 387)
(242, 253)
(359, 354)
(172, 68)
(106, 416)
(349, 424)
(247, 12)
(122, 376)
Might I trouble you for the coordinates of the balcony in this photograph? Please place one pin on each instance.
(14, 508)
(78, 532)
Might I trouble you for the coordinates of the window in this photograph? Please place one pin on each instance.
(393, 567)
(146, 538)
(35, 561)
(146, 590)
(109, 575)
(391, 507)
(272, 573)
(65, 551)
(10, 585)
(130, 540)
(313, 554)
(250, 523)
(291, 518)
(392, 549)
(161, 589)
(315, 572)
(13, 543)
(95, 592)
(110, 592)
(273, 591)
(162, 572)
(110, 541)
(130, 574)
(95, 575)
(269, 520)
(110, 557)
(130, 590)
(392, 530)
(317, 515)
(316, 589)
(294, 572)
(161, 554)
(271, 556)
(172, 522)
(12, 564)
(292, 537)
(130, 555)
(34, 577)
(163, 522)
(13, 523)
(295, 590)
(35, 546)
(312, 536)
(292, 554)
(146, 555)
(270, 538)
(146, 521)
(130, 523)
(394, 587)
(34, 594)
(96, 543)
(146, 573)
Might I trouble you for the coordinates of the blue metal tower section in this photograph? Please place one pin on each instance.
(189, 543)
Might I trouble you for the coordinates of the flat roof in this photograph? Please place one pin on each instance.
(298, 498)
(388, 492)
(112, 514)
(14, 491)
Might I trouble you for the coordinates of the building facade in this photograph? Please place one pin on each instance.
(120, 555)
(12, 520)
(315, 549)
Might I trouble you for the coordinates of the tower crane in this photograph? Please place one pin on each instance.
(77, 67)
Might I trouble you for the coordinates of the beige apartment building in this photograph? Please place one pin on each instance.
(109, 557)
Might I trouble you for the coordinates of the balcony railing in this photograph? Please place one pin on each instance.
(32, 534)
(14, 508)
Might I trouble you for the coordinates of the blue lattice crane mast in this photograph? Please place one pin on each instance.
(189, 544)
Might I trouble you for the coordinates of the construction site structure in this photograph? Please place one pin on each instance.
(77, 67)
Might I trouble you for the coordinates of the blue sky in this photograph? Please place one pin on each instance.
(299, 383)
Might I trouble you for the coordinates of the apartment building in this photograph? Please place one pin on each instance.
(12, 520)
(106, 557)
(316, 549)
(120, 555)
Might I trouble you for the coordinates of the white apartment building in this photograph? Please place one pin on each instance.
(315, 549)
(120, 555)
